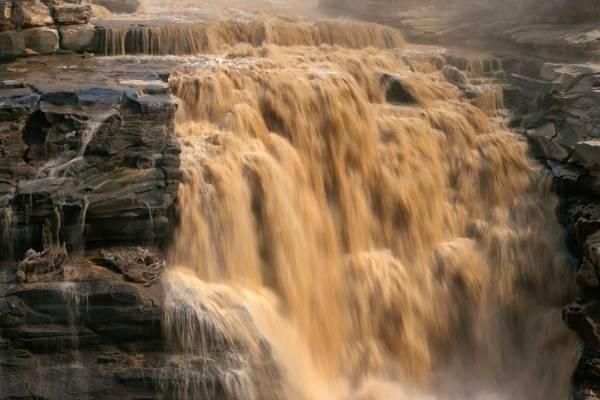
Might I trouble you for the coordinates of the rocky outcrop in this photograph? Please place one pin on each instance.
(30, 27)
(562, 127)
(89, 166)
(90, 332)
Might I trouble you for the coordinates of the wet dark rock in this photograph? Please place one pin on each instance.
(543, 143)
(588, 154)
(396, 90)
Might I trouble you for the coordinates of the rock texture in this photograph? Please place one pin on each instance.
(31, 27)
(85, 165)
(562, 127)
(89, 166)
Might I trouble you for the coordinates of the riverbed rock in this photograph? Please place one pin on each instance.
(78, 38)
(86, 165)
(41, 40)
(543, 143)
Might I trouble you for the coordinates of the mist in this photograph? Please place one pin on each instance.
(556, 10)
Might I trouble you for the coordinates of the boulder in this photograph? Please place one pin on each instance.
(72, 14)
(31, 13)
(78, 38)
(587, 153)
(41, 40)
(12, 44)
(119, 6)
(543, 143)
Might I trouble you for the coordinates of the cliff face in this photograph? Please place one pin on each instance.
(89, 165)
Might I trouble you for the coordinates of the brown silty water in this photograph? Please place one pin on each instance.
(336, 242)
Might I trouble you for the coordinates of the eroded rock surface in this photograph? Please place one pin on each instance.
(565, 124)
(88, 159)
(84, 164)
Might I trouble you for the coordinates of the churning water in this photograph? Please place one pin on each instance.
(337, 242)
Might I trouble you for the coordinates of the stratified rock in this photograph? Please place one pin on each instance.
(12, 44)
(72, 14)
(43, 265)
(588, 153)
(119, 6)
(78, 38)
(41, 40)
(139, 265)
(543, 143)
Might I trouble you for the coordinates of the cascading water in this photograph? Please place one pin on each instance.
(336, 245)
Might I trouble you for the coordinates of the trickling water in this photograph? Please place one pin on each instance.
(7, 224)
(333, 245)
(59, 166)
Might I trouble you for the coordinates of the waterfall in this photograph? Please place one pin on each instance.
(333, 244)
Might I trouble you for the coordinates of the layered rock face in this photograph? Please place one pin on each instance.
(89, 165)
(29, 27)
(95, 163)
(562, 127)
